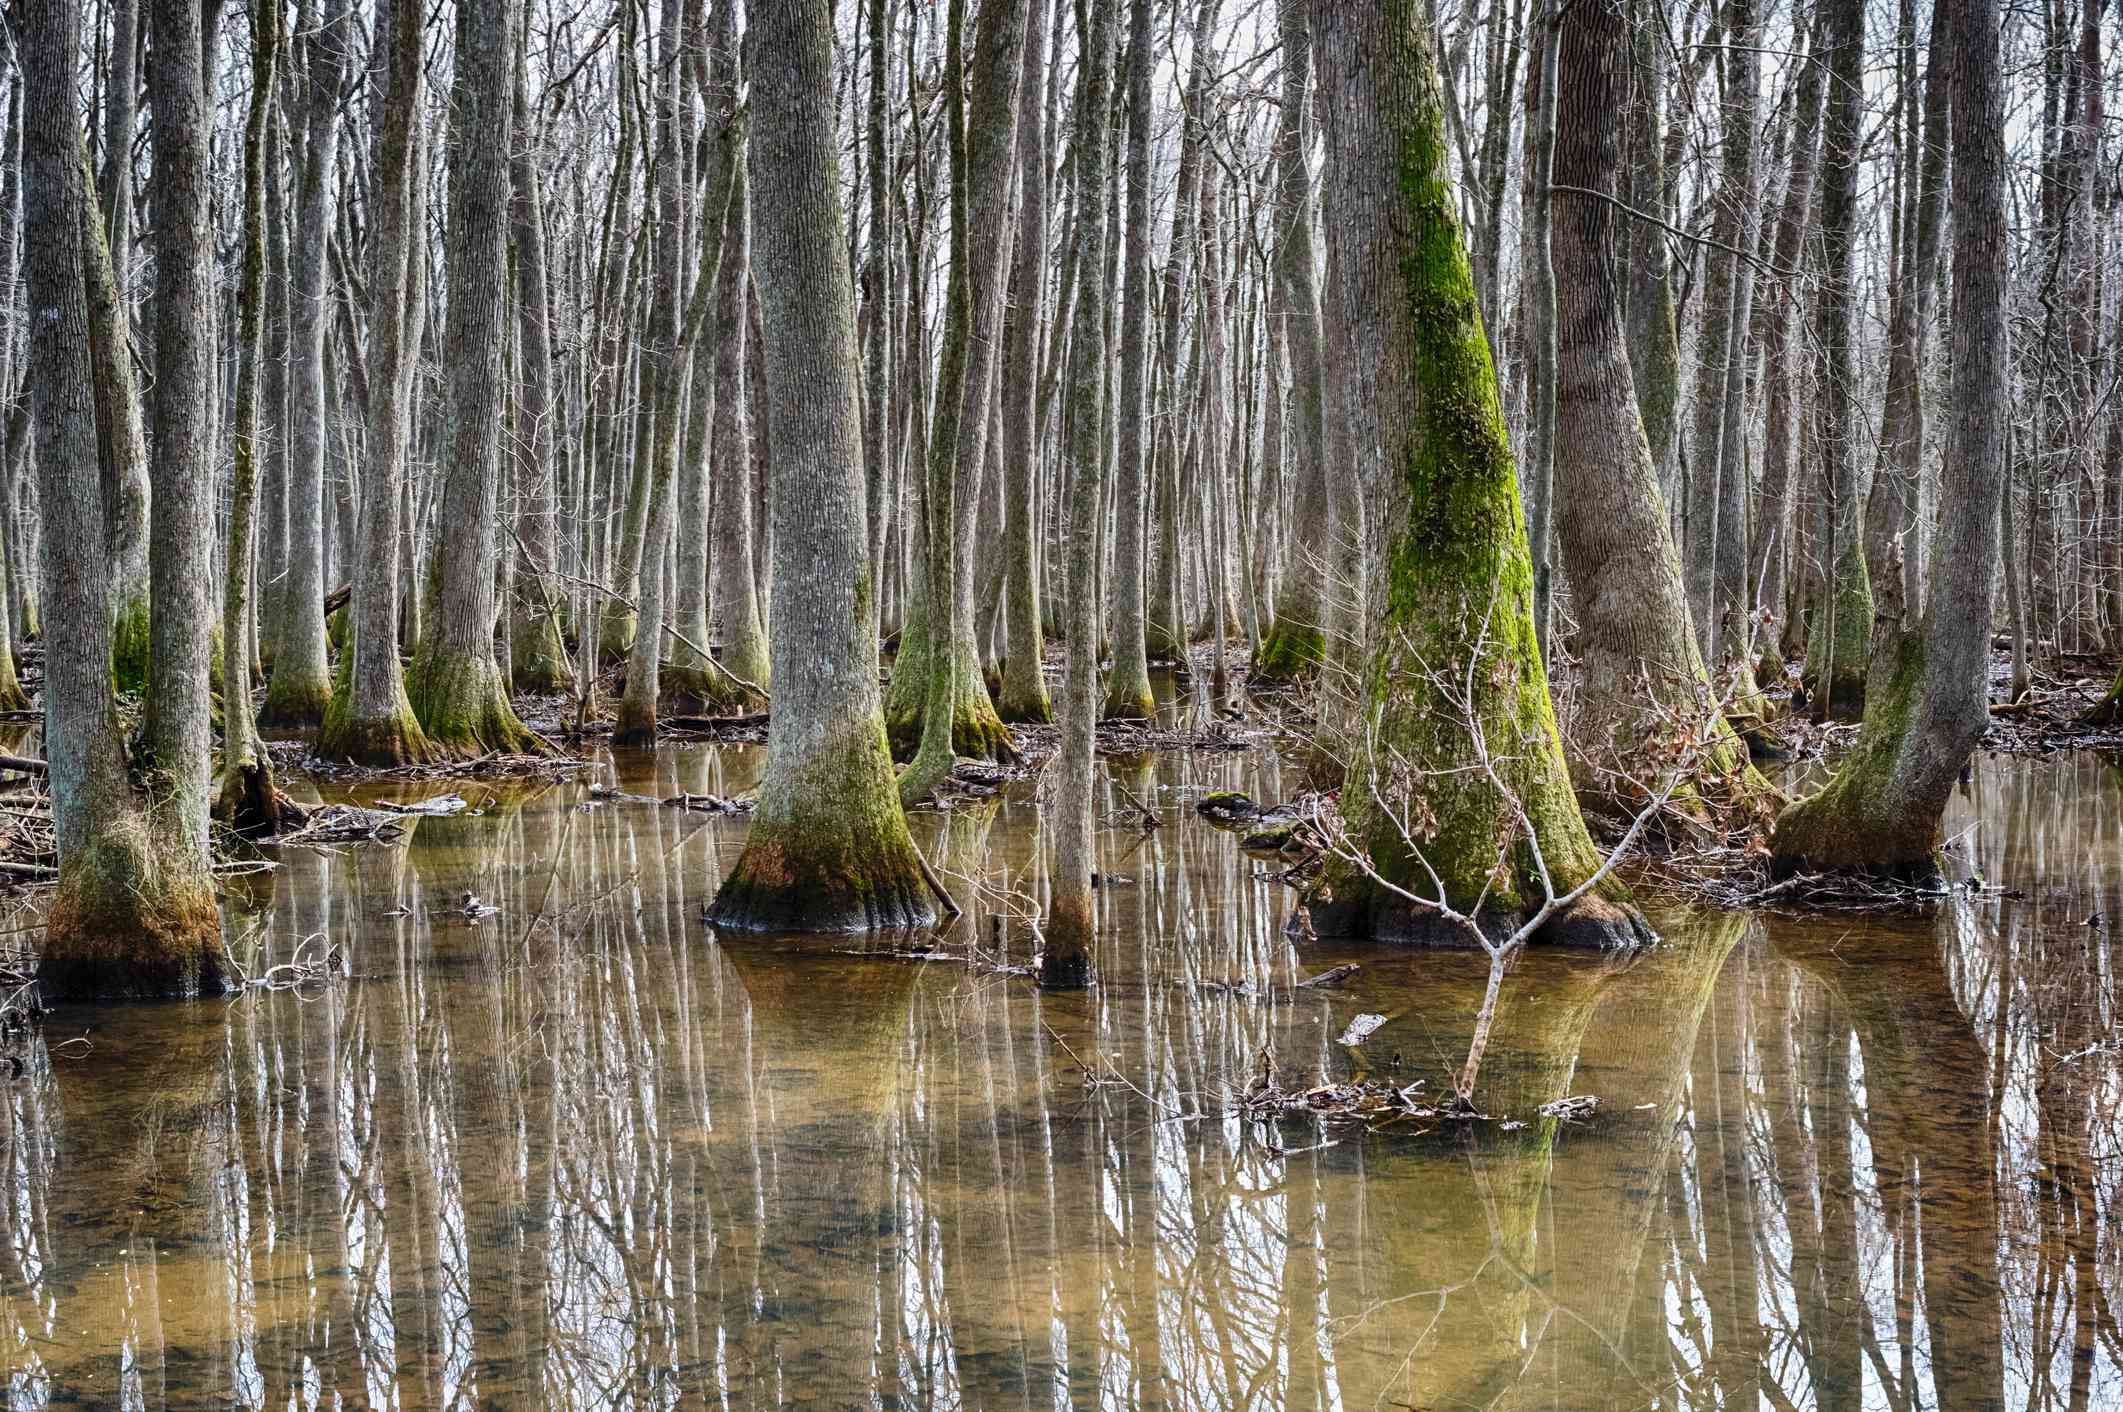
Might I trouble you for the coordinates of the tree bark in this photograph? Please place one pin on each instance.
(370, 720)
(957, 717)
(456, 688)
(134, 911)
(1072, 906)
(1452, 651)
(1840, 638)
(828, 848)
(301, 684)
(1296, 640)
(1881, 811)
(1023, 697)
(1128, 693)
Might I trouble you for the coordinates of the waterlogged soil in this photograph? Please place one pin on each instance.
(554, 1142)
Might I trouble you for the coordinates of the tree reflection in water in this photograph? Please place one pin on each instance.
(585, 1153)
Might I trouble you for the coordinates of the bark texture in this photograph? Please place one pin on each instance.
(828, 848)
(370, 720)
(1453, 668)
(456, 689)
(1881, 811)
(134, 911)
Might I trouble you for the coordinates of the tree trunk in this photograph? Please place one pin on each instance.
(1128, 685)
(1840, 638)
(957, 717)
(1024, 687)
(828, 848)
(538, 657)
(1881, 811)
(456, 689)
(1776, 523)
(370, 720)
(134, 912)
(665, 368)
(1072, 906)
(1453, 666)
(1296, 640)
(1638, 661)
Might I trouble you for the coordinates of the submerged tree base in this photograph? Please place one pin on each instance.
(123, 926)
(458, 701)
(830, 879)
(250, 803)
(1860, 822)
(1595, 922)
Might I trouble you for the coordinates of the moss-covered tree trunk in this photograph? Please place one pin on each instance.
(958, 718)
(1839, 639)
(1453, 670)
(301, 683)
(1881, 811)
(1295, 643)
(1072, 906)
(828, 848)
(456, 687)
(134, 912)
(1023, 697)
(369, 720)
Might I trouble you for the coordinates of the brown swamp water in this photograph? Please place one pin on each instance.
(584, 1153)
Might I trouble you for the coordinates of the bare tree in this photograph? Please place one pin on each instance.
(829, 848)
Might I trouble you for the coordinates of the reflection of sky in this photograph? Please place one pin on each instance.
(606, 1160)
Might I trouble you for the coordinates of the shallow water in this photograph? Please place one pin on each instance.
(584, 1153)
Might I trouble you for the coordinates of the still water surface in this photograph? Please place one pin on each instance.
(584, 1153)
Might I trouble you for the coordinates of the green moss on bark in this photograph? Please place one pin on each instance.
(828, 851)
(384, 742)
(295, 700)
(130, 646)
(458, 701)
(1291, 653)
(1453, 632)
(1857, 823)
(125, 924)
(1851, 639)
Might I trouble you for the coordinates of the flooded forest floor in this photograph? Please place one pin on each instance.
(503, 1122)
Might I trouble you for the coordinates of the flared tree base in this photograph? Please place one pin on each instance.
(791, 879)
(538, 659)
(1592, 923)
(1867, 821)
(1289, 655)
(1128, 697)
(977, 730)
(458, 700)
(295, 701)
(125, 924)
(1024, 702)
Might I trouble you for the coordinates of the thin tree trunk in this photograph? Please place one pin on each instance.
(1072, 907)
(1128, 685)
(1023, 697)
(301, 683)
